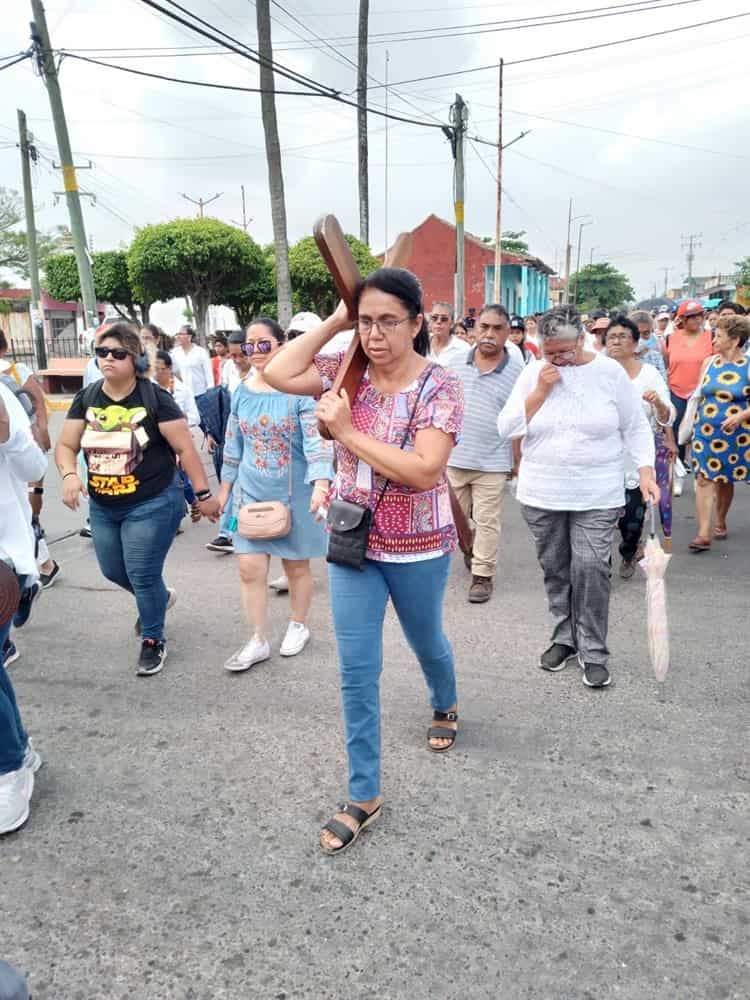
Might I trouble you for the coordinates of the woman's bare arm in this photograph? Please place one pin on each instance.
(293, 370)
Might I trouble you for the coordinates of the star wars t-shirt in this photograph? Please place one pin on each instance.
(140, 463)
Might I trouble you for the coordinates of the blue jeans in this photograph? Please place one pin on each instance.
(13, 738)
(132, 542)
(358, 603)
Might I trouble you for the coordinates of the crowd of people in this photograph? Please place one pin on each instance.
(590, 418)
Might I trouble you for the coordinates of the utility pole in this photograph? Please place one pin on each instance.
(385, 214)
(244, 225)
(567, 253)
(28, 153)
(497, 284)
(362, 156)
(578, 257)
(459, 116)
(591, 256)
(690, 243)
(202, 202)
(46, 63)
(666, 271)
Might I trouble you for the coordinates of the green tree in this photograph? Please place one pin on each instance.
(743, 272)
(312, 280)
(514, 242)
(257, 296)
(111, 281)
(14, 255)
(600, 286)
(203, 259)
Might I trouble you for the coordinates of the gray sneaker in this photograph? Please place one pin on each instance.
(555, 658)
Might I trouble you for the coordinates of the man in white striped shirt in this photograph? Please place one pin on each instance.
(481, 463)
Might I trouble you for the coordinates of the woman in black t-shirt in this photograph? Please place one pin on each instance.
(130, 431)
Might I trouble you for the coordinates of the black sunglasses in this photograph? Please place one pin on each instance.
(118, 353)
(262, 347)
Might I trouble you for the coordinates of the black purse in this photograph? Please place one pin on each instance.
(350, 523)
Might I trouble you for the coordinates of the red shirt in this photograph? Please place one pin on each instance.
(216, 366)
(686, 356)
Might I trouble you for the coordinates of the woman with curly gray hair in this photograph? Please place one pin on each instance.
(578, 415)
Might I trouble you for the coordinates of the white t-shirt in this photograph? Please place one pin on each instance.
(454, 353)
(186, 402)
(21, 462)
(575, 446)
(194, 367)
(648, 379)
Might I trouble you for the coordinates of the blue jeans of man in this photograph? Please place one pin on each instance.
(358, 603)
(13, 738)
(132, 542)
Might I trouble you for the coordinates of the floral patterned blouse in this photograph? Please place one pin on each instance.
(410, 525)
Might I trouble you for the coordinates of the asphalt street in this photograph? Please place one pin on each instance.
(576, 845)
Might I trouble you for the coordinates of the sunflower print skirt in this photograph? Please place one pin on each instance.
(722, 457)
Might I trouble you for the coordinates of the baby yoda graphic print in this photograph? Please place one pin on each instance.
(114, 441)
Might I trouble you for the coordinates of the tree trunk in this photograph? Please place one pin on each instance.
(273, 158)
(199, 303)
(364, 196)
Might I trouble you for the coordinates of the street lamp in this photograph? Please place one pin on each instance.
(591, 256)
(588, 221)
(568, 248)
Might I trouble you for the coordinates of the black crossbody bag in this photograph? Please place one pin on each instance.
(350, 523)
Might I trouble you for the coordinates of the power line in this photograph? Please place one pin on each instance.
(256, 90)
(14, 62)
(571, 52)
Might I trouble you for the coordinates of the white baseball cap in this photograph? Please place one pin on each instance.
(304, 321)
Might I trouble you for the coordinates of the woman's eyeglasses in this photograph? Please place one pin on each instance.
(118, 353)
(618, 338)
(386, 325)
(262, 347)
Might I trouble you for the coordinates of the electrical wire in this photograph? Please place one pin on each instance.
(571, 52)
(338, 98)
(14, 62)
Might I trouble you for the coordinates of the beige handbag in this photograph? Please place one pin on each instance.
(268, 518)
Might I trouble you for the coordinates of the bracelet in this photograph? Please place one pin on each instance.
(69, 474)
(36, 491)
(203, 495)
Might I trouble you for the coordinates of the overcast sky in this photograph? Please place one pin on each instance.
(150, 141)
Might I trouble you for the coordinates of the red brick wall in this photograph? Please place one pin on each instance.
(433, 260)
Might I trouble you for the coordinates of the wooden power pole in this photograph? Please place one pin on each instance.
(362, 155)
(497, 284)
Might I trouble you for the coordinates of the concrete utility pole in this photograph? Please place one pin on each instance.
(362, 153)
(666, 271)
(578, 256)
(28, 153)
(591, 256)
(497, 284)
(690, 243)
(46, 62)
(385, 185)
(245, 224)
(567, 253)
(459, 116)
(202, 202)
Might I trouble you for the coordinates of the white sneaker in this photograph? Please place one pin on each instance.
(32, 759)
(280, 585)
(677, 487)
(16, 788)
(296, 638)
(253, 652)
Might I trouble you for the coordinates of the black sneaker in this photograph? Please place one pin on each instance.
(221, 544)
(153, 655)
(24, 607)
(596, 675)
(85, 531)
(627, 569)
(49, 578)
(555, 658)
(9, 654)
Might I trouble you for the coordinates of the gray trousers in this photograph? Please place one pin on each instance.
(574, 549)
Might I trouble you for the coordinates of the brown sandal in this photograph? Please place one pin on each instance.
(699, 544)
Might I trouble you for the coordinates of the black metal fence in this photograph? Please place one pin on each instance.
(23, 349)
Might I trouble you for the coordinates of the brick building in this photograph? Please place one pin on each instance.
(525, 284)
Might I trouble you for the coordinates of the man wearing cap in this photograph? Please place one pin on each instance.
(663, 321)
(688, 346)
(594, 340)
(480, 464)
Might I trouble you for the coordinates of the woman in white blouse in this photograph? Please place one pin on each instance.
(622, 341)
(578, 415)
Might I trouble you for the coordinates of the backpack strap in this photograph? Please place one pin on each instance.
(90, 393)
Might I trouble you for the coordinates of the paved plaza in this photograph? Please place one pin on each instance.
(577, 844)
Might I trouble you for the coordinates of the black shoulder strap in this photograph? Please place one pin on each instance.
(148, 396)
